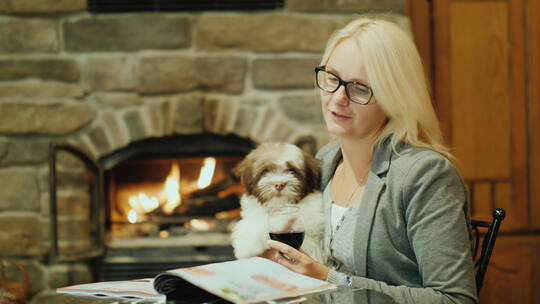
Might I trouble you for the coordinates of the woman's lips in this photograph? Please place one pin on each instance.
(339, 116)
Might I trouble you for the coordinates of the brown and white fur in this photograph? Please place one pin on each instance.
(277, 174)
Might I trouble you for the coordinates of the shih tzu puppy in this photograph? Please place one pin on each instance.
(276, 174)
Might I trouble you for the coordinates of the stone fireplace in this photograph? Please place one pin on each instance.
(115, 230)
(105, 83)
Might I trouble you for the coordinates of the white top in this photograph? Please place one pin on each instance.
(337, 216)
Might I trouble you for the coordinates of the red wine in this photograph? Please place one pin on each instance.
(293, 239)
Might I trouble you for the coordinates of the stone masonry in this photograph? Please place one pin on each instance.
(102, 81)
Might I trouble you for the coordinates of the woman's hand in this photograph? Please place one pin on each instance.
(295, 260)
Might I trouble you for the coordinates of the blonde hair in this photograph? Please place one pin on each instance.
(396, 75)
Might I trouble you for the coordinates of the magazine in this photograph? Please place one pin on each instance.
(249, 280)
(135, 289)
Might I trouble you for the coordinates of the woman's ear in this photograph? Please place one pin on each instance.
(244, 171)
(311, 165)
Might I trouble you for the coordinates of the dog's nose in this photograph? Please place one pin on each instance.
(280, 186)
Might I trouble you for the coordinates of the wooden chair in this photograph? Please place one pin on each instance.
(488, 243)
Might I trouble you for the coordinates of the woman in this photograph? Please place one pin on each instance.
(397, 209)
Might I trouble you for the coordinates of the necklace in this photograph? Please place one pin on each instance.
(337, 223)
(358, 184)
(352, 194)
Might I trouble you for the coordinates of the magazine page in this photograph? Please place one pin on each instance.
(138, 289)
(248, 280)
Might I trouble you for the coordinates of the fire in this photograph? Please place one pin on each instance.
(200, 225)
(207, 172)
(143, 203)
(167, 196)
(171, 190)
(132, 216)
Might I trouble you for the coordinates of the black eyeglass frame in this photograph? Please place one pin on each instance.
(342, 83)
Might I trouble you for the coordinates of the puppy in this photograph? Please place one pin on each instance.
(277, 174)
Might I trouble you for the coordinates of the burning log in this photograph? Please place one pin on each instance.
(209, 205)
(214, 189)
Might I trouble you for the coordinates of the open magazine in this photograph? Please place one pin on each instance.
(250, 280)
(135, 289)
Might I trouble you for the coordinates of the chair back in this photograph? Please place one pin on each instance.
(488, 243)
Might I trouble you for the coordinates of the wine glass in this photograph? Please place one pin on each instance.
(285, 224)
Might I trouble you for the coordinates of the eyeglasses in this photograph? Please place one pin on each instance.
(357, 92)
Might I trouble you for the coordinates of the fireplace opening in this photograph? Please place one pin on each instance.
(164, 198)
(170, 202)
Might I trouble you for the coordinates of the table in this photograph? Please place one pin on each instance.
(342, 295)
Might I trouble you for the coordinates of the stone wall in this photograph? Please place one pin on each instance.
(103, 81)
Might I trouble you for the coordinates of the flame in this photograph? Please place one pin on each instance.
(207, 172)
(171, 190)
(142, 203)
(170, 198)
(200, 225)
(132, 216)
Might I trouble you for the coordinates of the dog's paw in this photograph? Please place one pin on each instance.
(249, 250)
(249, 237)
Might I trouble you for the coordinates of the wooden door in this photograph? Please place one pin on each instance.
(533, 39)
(484, 60)
(477, 60)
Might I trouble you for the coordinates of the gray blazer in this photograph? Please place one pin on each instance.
(411, 239)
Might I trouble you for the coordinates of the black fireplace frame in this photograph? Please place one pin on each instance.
(97, 218)
(180, 145)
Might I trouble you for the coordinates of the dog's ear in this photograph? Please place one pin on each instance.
(244, 171)
(311, 165)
